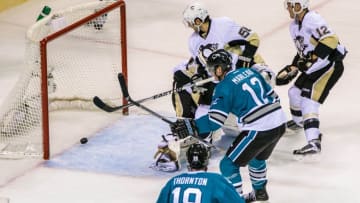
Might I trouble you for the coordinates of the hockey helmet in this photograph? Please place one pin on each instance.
(291, 3)
(220, 58)
(193, 11)
(197, 156)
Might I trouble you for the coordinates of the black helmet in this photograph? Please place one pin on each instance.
(221, 58)
(197, 156)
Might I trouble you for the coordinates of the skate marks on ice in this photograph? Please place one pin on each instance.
(124, 148)
(127, 148)
(283, 153)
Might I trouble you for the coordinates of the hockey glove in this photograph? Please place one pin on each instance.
(286, 75)
(303, 64)
(197, 89)
(266, 72)
(183, 128)
(244, 62)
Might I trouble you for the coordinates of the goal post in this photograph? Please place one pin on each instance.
(71, 56)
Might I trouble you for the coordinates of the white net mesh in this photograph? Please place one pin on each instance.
(82, 63)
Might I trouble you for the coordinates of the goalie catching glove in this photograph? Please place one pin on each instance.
(286, 75)
(184, 128)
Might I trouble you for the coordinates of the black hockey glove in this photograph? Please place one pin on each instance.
(184, 128)
(304, 64)
(286, 75)
(244, 62)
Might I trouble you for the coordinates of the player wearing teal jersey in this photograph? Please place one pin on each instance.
(209, 34)
(198, 185)
(244, 93)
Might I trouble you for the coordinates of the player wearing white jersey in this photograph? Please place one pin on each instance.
(319, 58)
(209, 35)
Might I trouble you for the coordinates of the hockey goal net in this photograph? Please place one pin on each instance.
(71, 56)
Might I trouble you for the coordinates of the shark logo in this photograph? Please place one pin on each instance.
(215, 101)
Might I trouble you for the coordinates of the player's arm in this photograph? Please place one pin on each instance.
(320, 57)
(249, 41)
(215, 118)
(325, 48)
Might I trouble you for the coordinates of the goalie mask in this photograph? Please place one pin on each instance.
(219, 59)
(197, 156)
(192, 12)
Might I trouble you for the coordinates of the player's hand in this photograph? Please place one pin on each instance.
(183, 128)
(244, 62)
(304, 64)
(286, 75)
(197, 88)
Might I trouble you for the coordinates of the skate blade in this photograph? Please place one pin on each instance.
(290, 133)
(308, 158)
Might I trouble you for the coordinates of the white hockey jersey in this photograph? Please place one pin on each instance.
(307, 34)
(221, 31)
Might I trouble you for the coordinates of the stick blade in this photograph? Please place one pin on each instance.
(101, 105)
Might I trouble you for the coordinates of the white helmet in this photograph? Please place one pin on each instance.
(193, 11)
(303, 3)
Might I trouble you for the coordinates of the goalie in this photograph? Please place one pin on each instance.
(184, 134)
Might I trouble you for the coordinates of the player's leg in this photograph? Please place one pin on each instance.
(241, 151)
(265, 144)
(184, 101)
(315, 90)
(310, 109)
(296, 123)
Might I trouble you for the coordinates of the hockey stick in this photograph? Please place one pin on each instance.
(125, 92)
(102, 105)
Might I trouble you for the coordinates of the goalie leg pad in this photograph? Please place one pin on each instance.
(165, 164)
(167, 155)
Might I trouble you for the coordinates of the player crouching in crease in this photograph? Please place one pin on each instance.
(198, 185)
(319, 58)
(244, 93)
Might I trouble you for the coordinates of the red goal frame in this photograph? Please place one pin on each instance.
(43, 55)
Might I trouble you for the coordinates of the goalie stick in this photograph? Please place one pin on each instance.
(102, 105)
(125, 92)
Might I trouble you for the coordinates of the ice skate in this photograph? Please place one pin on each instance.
(313, 147)
(257, 196)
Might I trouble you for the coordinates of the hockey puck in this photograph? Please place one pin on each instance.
(83, 140)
